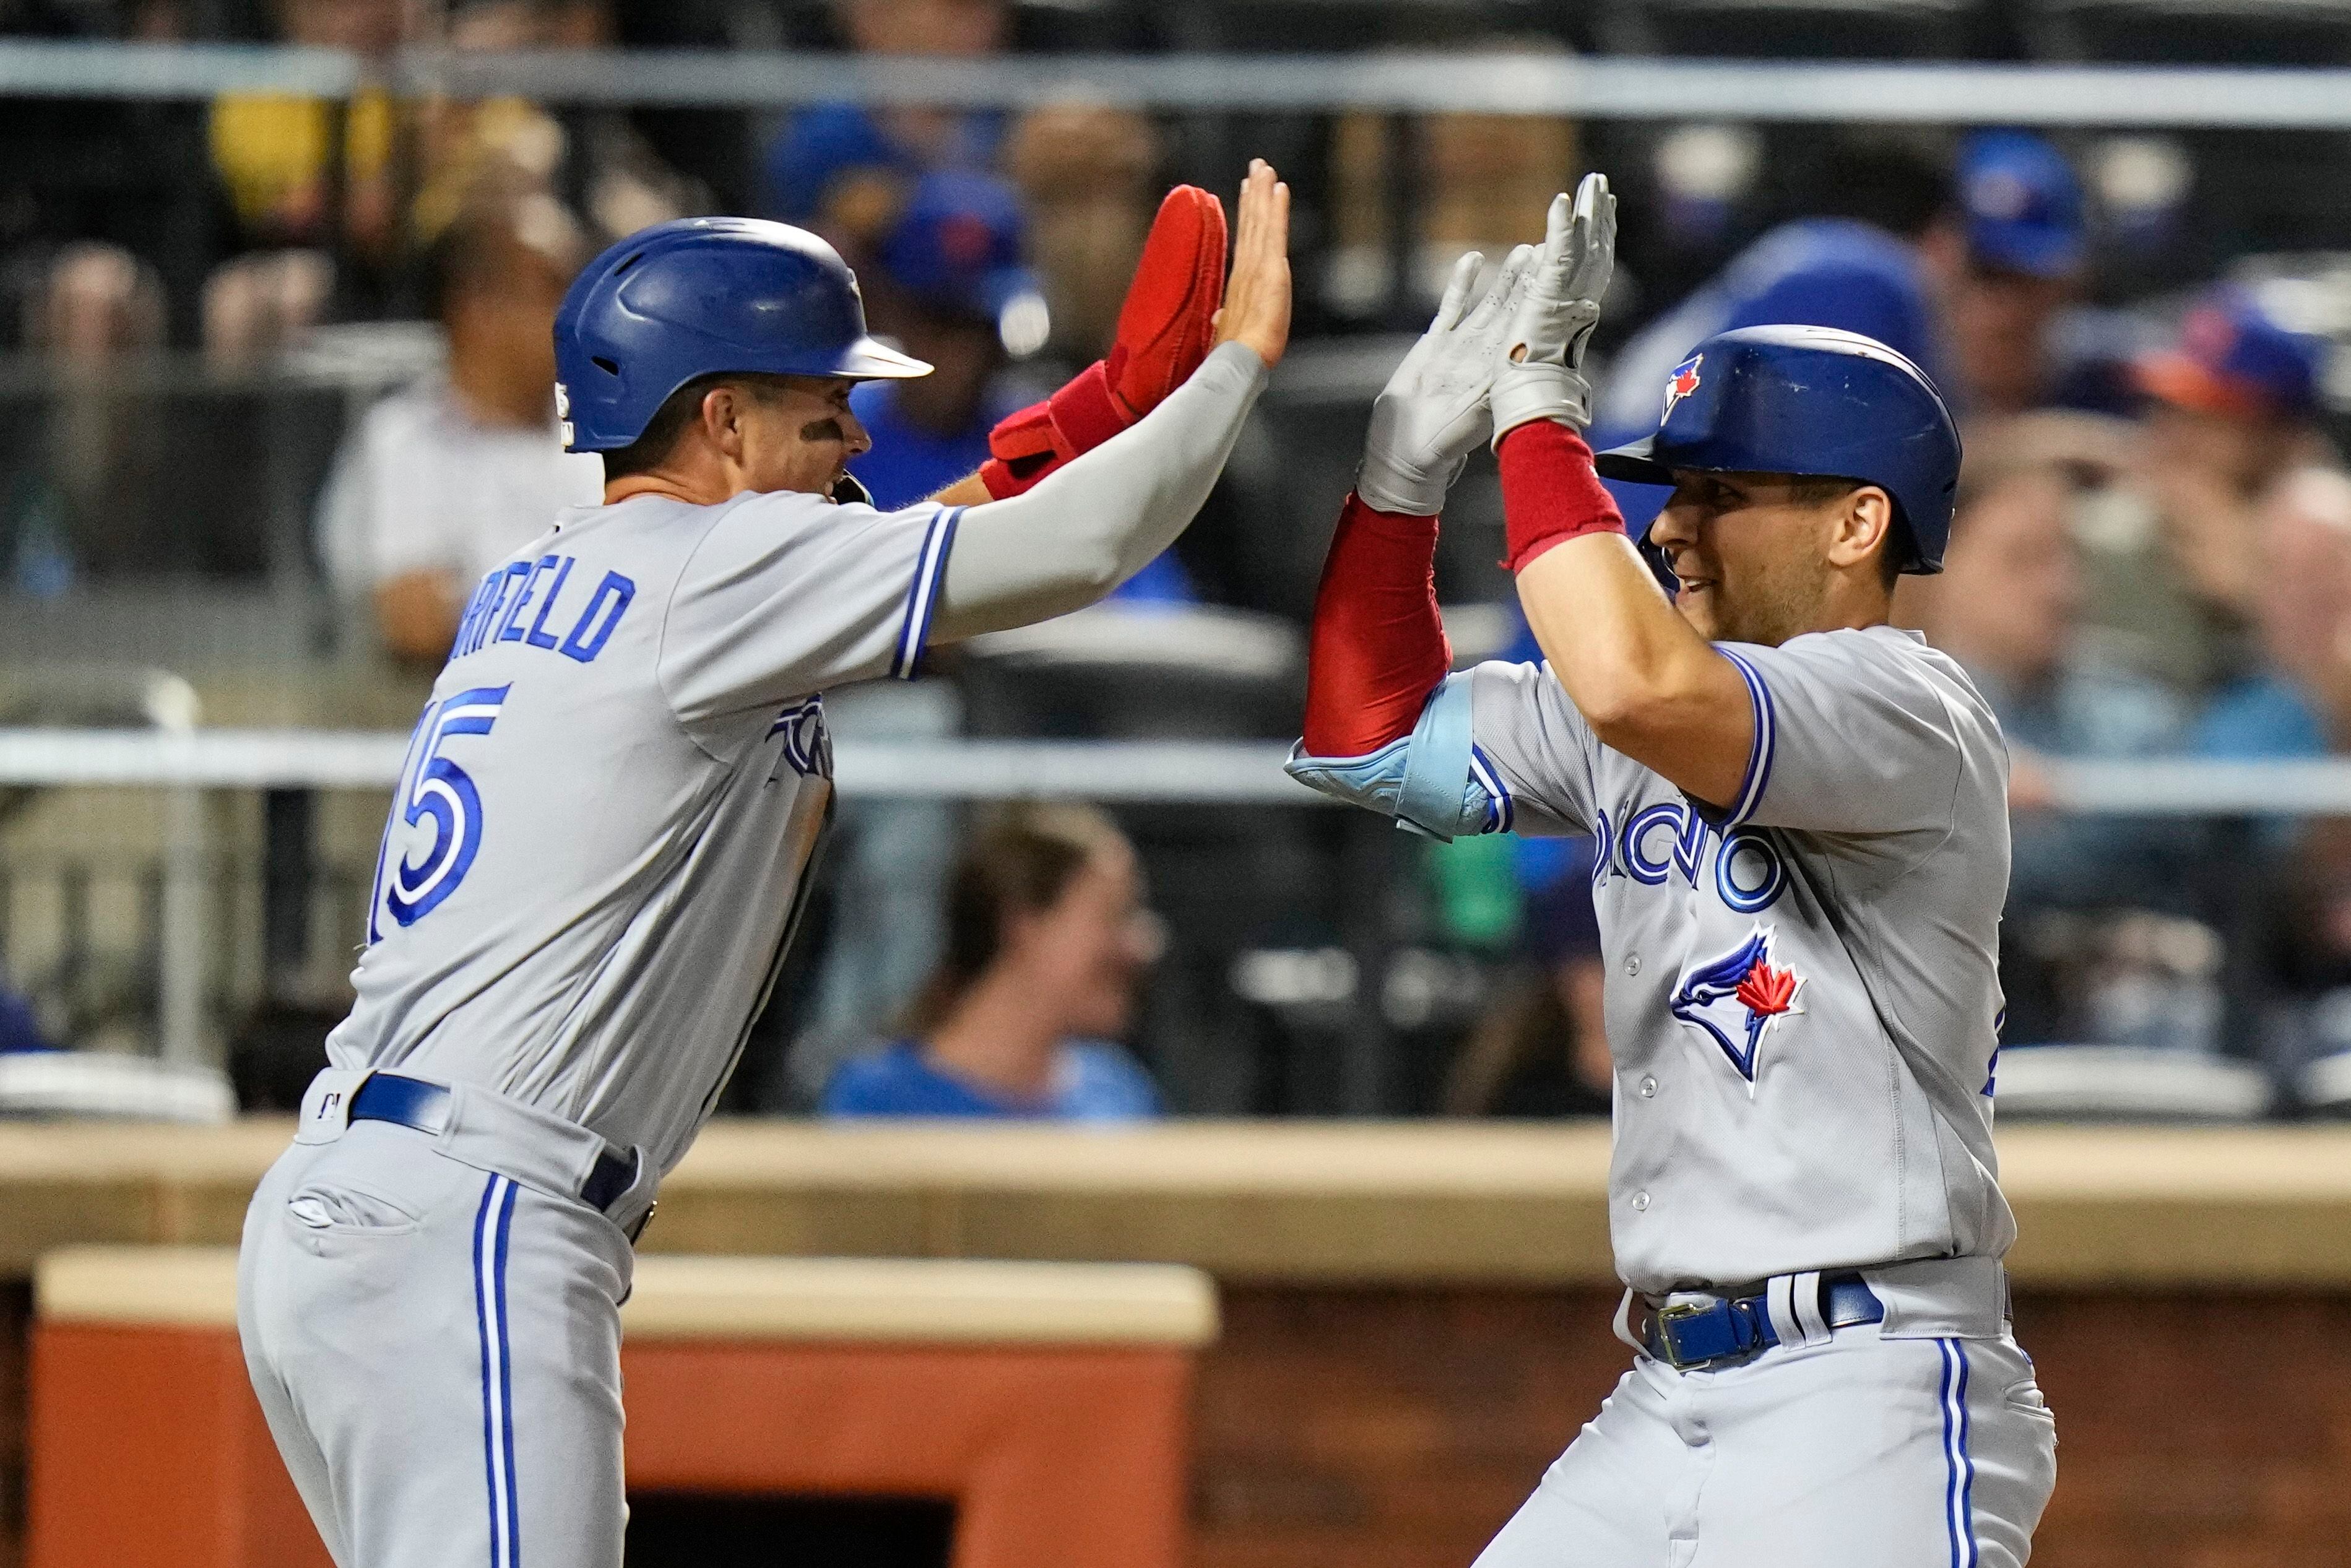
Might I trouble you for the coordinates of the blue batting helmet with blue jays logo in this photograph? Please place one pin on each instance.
(696, 297)
(1809, 401)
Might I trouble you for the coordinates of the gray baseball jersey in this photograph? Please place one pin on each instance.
(597, 847)
(589, 875)
(1803, 996)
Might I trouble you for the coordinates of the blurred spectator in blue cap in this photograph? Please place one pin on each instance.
(2022, 206)
(2014, 344)
(2238, 365)
(840, 167)
(2232, 407)
(1859, 266)
(1963, 270)
(1088, 171)
(950, 281)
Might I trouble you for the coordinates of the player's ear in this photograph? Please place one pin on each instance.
(1864, 522)
(722, 418)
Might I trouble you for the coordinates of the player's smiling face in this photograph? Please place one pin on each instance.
(1756, 554)
(798, 434)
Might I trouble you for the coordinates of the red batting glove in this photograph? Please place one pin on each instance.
(1165, 329)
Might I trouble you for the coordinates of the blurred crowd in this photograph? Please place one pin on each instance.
(2151, 559)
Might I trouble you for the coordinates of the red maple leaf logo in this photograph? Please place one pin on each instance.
(1767, 992)
(1683, 382)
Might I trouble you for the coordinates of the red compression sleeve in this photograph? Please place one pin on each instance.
(1549, 493)
(1378, 648)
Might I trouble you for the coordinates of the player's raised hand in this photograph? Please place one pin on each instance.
(1432, 413)
(1539, 373)
(1256, 296)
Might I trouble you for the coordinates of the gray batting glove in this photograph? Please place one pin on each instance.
(1541, 374)
(1432, 413)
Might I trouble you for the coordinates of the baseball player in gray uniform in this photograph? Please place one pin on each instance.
(600, 838)
(1802, 834)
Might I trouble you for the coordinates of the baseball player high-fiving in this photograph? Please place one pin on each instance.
(601, 835)
(1802, 853)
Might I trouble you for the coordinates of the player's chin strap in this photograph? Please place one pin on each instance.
(847, 491)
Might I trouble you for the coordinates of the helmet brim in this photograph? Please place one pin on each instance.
(870, 359)
(1637, 464)
(1634, 464)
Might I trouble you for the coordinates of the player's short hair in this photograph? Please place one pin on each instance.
(1819, 489)
(1020, 861)
(661, 433)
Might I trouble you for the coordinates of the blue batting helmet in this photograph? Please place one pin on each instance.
(1809, 401)
(697, 296)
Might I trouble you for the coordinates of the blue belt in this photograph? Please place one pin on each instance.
(413, 1102)
(1702, 1333)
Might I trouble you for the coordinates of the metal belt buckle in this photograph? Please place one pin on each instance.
(1666, 1318)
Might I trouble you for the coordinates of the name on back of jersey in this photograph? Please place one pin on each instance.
(536, 603)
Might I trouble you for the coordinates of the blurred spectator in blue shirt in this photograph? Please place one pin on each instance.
(1048, 939)
(2007, 607)
(951, 283)
(1964, 279)
(2294, 702)
(2295, 911)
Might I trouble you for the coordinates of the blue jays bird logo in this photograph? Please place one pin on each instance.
(807, 744)
(1737, 998)
(1680, 384)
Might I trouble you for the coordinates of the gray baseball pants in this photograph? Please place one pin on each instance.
(433, 1328)
(1879, 1445)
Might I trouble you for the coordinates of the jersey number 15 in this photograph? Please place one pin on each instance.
(433, 789)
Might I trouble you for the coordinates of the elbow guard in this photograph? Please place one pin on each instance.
(1426, 780)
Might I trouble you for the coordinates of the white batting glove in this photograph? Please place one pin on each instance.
(1432, 413)
(1541, 373)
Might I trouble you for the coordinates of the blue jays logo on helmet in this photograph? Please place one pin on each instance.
(1738, 997)
(1681, 383)
(1809, 401)
(702, 296)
